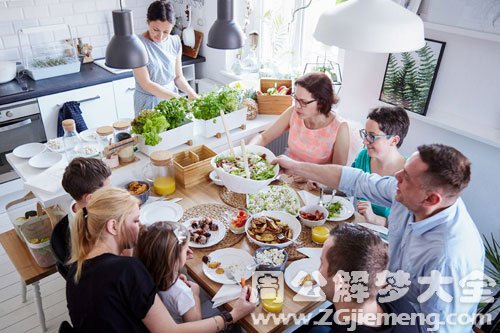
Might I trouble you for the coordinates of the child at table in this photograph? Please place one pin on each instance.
(163, 249)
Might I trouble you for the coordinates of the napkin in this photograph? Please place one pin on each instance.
(311, 252)
(49, 180)
(311, 199)
(226, 293)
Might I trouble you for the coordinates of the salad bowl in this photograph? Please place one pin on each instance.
(232, 173)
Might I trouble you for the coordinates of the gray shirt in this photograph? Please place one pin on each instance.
(161, 69)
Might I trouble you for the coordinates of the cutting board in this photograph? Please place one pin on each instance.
(193, 52)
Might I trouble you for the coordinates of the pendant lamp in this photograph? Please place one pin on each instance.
(371, 26)
(225, 33)
(125, 50)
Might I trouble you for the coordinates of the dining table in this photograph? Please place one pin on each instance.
(208, 193)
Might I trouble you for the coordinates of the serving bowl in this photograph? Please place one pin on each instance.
(312, 209)
(144, 196)
(290, 220)
(240, 184)
(269, 267)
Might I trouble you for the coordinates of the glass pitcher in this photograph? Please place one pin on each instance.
(160, 172)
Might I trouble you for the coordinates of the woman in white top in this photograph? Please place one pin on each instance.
(162, 77)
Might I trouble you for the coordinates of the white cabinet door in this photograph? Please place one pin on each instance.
(124, 97)
(96, 102)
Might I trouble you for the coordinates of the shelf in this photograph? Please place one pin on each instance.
(463, 32)
(489, 136)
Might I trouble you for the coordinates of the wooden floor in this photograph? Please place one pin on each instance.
(17, 317)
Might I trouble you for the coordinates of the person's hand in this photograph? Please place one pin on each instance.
(365, 209)
(285, 163)
(299, 179)
(195, 287)
(243, 306)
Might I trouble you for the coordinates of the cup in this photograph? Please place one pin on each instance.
(320, 234)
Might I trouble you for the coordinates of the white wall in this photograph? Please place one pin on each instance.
(467, 86)
(89, 19)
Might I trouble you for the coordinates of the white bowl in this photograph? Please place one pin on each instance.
(312, 209)
(213, 177)
(292, 222)
(244, 185)
(7, 71)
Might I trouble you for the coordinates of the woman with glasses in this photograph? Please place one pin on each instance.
(316, 133)
(384, 132)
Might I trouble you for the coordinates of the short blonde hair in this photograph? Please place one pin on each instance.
(90, 223)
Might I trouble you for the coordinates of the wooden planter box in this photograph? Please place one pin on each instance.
(275, 104)
(214, 127)
(192, 166)
(171, 138)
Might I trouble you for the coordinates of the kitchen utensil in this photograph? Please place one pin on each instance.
(228, 136)
(188, 33)
(320, 201)
(7, 71)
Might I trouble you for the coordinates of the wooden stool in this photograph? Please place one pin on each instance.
(27, 268)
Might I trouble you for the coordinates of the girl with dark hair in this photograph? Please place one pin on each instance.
(316, 133)
(162, 77)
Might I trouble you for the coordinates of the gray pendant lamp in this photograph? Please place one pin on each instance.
(125, 50)
(225, 33)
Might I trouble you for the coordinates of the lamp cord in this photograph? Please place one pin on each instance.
(299, 9)
(121, 8)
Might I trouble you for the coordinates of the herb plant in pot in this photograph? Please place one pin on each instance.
(165, 127)
(206, 111)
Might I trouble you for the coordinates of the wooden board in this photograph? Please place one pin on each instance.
(193, 52)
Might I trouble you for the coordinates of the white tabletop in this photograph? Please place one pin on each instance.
(134, 170)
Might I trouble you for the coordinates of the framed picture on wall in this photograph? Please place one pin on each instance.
(409, 77)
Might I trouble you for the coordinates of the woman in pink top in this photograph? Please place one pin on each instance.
(316, 134)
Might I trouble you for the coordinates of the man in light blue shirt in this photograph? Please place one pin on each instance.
(431, 234)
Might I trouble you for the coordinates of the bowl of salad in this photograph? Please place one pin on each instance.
(231, 169)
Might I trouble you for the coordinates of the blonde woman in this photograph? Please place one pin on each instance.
(107, 292)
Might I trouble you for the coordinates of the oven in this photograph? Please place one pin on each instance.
(20, 123)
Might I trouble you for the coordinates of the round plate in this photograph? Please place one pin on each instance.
(346, 211)
(89, 135)
(44, 160)
(277, 198)
(29, 150)
(58, 141)
(216, 236)
(160, 211)
(233, 259)
(296, 271)
(213, 177)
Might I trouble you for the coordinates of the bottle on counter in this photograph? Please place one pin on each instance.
(122, 130)
(71, 140)
(105, 134)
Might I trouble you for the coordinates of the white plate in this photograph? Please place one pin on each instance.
(89, 135)
(59, 141)
(296, 271)
(160, 211)
(346, 211)
(273, 204)
(216, 236)
(213, 177)
(230, 258)
(44, 160)
(29, 150)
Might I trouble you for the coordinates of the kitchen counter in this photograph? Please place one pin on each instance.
(89, 75)
(132, 171)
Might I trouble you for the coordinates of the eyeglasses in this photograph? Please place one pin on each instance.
(371, 138)
(301, 102)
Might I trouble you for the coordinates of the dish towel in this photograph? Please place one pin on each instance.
(70, 110)
(49, 180)
(226, 293)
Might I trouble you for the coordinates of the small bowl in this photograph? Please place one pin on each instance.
(312, 209)
(285, 217)
(264, 267)
(213, 177)
(143, 197)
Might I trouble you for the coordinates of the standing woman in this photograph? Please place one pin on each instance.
(162, 77)
(316, 133)
(107, 292)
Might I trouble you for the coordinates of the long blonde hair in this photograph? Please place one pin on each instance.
(90, 223)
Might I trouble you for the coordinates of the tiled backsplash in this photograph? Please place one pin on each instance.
(89, 19)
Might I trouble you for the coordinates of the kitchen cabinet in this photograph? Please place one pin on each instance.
(96, 102)
(124, 97)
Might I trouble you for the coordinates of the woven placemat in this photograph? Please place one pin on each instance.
(233, 199)
(214, 211)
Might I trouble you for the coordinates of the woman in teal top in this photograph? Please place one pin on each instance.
(384, 132)
(162, 77)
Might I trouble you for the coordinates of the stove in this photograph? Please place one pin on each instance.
(14, 87)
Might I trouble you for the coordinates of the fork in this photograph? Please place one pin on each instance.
(282, 237)
(320, 201)
(334, 191)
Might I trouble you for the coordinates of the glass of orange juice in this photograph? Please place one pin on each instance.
(320, 234)
(272, 305)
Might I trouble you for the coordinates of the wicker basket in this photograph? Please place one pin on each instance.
(192, 166)
(275, 104)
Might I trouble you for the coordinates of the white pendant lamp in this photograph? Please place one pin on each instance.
(371, 26)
